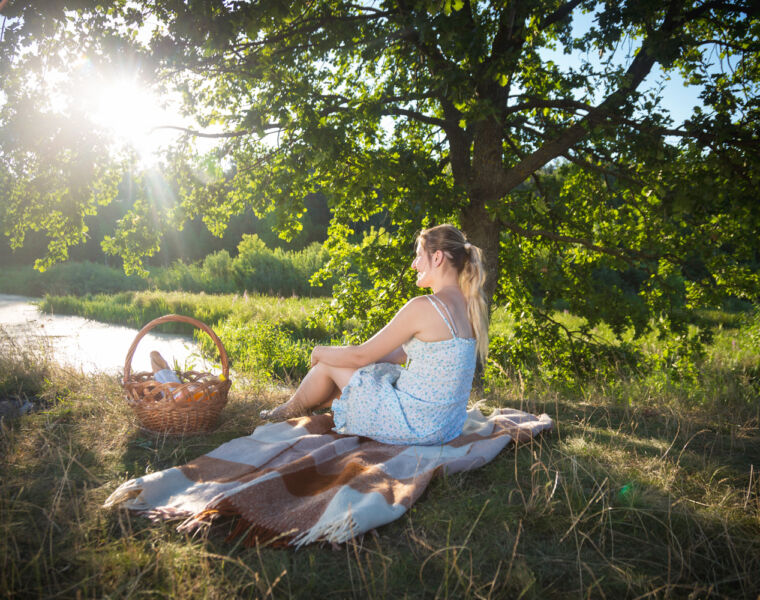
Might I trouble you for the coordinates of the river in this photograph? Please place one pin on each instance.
(90, 346)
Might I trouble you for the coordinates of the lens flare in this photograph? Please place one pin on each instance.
(129, 112)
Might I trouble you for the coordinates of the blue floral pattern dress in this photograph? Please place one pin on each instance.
(421, 403)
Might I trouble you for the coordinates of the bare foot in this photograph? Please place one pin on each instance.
(286, 411)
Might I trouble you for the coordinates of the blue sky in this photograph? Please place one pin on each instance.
(678, 98)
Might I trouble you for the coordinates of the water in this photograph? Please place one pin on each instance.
(92, 346)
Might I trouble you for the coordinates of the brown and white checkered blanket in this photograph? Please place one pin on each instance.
(298, 482)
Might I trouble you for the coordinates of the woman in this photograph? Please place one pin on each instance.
(436, 337)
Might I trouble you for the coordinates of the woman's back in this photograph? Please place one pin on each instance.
(424, 402)
(447, 306)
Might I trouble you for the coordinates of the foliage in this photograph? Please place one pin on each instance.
(256, 268)
(263, 348)
(135, 309)
(68, 278)
(574, 180)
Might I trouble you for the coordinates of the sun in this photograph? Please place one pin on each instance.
(129, 112)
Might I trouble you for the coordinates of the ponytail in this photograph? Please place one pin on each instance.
(468, 261)
(471, 280)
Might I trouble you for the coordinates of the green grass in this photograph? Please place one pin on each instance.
(647, 487)
(135, 309)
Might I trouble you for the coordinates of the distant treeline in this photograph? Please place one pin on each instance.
(254, 268)
(193, 243)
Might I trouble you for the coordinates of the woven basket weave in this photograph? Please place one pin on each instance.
(192, 406)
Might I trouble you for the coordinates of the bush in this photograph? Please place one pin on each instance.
(264, 348)
(218, 273)
(178, 277)
(256, 268)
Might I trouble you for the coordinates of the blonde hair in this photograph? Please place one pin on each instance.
(467, 259)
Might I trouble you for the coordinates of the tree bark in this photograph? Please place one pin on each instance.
(483, 232)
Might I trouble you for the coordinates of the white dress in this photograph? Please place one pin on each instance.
(423, 402)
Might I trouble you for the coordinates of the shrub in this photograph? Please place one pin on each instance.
(256, 268)
(217, 272)
(264, 348)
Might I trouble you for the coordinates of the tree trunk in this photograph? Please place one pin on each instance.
(483, 232)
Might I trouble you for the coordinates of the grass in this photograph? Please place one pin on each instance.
(135, 309)
(647, 487)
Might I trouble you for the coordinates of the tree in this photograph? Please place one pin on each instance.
(448, 110)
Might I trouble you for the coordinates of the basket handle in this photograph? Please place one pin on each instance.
(180, 319)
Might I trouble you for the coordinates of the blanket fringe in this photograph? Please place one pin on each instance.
(338, 531)
(126, 491)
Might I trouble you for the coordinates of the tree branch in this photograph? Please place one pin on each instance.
(584, 164)
(640, 67)
(730, 6)
(301, 28)
(626, 255)
(417, 116)
(438, 63)
(202, 134)
(559, 14)
(737, 47)
(459, 141)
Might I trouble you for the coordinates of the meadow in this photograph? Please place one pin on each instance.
(647, 487)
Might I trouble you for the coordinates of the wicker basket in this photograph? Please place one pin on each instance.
(192, 406)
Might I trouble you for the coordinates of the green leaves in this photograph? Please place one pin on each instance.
(452, 5)
(570, 175)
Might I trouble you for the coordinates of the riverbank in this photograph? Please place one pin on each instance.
(646, 487)
(135, 309)
(267, 336)
(84, 344)
(273, 336)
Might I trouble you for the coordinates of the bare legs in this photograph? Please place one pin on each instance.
(322, 384)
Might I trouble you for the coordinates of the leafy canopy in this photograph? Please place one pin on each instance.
(574, 180)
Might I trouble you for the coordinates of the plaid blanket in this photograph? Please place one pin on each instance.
(298, 482)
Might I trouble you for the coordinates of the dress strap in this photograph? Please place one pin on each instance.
(449, 322)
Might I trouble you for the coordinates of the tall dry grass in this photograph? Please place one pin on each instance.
(647, 487)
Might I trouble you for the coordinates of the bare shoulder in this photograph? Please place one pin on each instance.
(416, 308)
(417, 302)
(456, 304)
(420, 306)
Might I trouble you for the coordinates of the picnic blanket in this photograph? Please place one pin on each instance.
(298, 482)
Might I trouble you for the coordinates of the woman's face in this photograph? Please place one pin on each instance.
(423, 264)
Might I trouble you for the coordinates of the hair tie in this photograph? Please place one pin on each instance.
(467, 246)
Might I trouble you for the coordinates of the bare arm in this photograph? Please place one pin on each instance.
(397, 356)
(384, 346)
